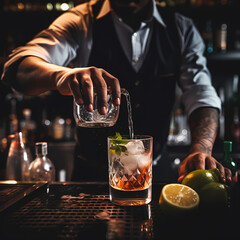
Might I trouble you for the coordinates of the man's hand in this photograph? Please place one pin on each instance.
(199, 160)
(203, 124)
(36, 76)
(83, 82)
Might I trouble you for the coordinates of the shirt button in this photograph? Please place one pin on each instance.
(135, 34)
(137, 106)
(136, 59)
(137, 83)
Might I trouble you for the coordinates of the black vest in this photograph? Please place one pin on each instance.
(152, 89)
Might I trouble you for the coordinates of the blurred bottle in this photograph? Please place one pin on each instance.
(235, 197)
(228, 160)
(28, 128)
(222, 115)
(3, 156)
(12, 100)
(223, 2)
(235, 105)
(58, 128)
(207, 35)
(18, 160)
(209, 2)
(45, 129)
(12, 121)
(42, 168)
(235, 127)
(197, 3)
(68, 133)
(171, 136)
(221, 38)
(13, 124)
(182, 130)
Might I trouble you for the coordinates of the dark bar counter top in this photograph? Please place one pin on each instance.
(82, 210)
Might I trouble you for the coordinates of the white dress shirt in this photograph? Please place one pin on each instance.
(69, 39)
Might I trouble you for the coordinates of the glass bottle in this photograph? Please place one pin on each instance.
(18, 160)
(228, 160)
(28, 127)
(42, 168)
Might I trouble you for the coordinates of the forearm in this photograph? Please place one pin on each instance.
(35, 76)
(203, 126)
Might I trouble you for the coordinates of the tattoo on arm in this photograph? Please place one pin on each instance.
(203, 125)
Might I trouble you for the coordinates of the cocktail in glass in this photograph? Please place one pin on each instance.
(130, 170)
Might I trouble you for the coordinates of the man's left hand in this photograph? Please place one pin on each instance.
(199, 160)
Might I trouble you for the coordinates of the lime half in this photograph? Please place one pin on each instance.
(178, 198)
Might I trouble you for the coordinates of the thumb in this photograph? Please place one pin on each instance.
(182, 172)
(181, 178)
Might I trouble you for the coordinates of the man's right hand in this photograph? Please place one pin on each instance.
(36, 76)
(82, 83)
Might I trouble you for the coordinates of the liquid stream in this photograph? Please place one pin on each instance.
(129, 108)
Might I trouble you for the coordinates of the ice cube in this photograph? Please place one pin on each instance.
(130, 163)
(135, 147)
(144, 160)
(97, 117)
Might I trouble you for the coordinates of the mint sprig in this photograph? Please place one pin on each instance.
(117, 145)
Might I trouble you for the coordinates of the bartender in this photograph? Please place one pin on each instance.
(133, 44)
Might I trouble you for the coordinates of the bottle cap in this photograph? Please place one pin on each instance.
(228, 146)
(41, 148)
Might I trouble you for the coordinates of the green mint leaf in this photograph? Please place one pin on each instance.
(118, 136)
(118, 145)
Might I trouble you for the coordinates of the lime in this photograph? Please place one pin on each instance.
(214, 195)
(177, 198)
(199, 178)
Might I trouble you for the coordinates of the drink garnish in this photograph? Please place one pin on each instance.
(118, 145)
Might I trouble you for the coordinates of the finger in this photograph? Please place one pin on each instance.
(183, 170)
(75, 89)
(114, 84)
(100, 87)
(210, 162)
(87, 92)
(181, 177)
(228, 175)
(222, 172)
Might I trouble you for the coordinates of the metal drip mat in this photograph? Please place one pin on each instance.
(83, 211)
(11, 192)
(77, 211)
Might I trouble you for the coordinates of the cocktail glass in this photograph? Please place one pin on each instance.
(130, 170)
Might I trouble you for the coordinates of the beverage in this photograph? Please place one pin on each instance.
(129, 108)
(130, 170)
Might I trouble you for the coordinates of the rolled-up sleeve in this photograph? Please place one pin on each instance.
(59, 44)
(195, 79)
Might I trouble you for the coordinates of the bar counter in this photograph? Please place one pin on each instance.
(82, 210)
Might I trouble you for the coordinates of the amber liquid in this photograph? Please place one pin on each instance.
(130, 198)
(132, 190)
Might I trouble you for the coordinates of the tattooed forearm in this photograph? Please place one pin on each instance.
(203, 125)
